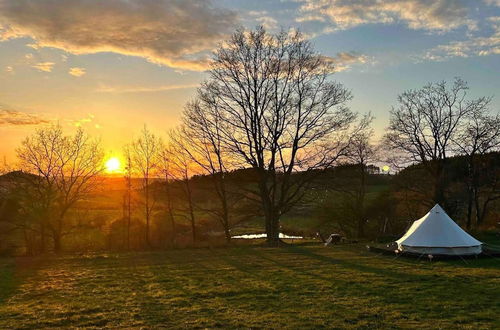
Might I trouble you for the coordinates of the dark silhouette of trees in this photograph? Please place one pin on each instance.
(424, 123)
(183, 167)
(205, 145)
(165, 168)
(127, 198)
(362, 153)
(145, 152)
(479, 136)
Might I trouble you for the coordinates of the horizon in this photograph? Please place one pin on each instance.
(112, 83)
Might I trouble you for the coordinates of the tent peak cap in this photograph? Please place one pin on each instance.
(437, 209)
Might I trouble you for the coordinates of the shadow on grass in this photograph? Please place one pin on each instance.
(13, 272)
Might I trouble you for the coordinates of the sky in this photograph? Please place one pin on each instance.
(113, 66)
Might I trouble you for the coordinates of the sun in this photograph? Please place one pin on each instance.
(113, 165)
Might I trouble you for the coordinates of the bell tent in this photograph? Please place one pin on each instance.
(437, 234)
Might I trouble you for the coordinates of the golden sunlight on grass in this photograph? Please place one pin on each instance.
(113, 165)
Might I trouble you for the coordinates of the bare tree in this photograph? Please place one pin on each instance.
(424, 123)
(279, 114)
(128, 193)
(477, 137)
(145, 150)
(165, 167)
(65, 170)
(202, 132)
(182, 169)
(361, 153)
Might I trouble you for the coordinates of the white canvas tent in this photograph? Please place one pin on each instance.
(436, 233)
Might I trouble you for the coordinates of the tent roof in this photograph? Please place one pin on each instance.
(437, 229)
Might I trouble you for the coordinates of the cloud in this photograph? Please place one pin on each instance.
(44, 66)
(9, 69)
(17, 118)
(492, 2)
(268, 22)
(168, 32)
(77, 72)
(142, 89)
(344, 60)
(431, 15)
(473, 46)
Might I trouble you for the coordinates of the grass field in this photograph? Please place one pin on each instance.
(305, 286)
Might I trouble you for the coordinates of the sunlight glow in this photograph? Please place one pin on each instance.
(113, 165)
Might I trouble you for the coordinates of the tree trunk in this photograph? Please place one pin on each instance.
(148, 242)
(42, 237)
(172, 226)
(273, 230)
(361, 227)
(191, 208)
(469, 208)
(227, 234)
(57, 242)
(439, 185)
(361, 202)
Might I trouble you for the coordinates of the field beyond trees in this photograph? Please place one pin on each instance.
(298, 286)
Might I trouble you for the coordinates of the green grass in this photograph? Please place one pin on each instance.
(249, 287)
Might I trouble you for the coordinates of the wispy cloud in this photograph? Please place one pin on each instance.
(431, 15)
(44, 66)
(268, 22)
(9, 117)
(169, 32)
(492, 2)
(472, 46)
(143, 89)
(77, 72)
(345, 60)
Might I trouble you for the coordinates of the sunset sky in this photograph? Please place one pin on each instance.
(113, 66)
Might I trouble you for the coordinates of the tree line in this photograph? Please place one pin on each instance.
(268, 107)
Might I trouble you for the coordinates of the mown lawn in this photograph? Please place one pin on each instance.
(249, 287)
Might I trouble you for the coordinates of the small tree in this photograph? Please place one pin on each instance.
(202, 132)
(165, 167)
(182, 169)
(361, 153)
(144, 152)
(128, 193)
(476, 138)
(65, 170)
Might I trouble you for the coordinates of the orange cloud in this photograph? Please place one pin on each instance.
(44, 66)
(169, 32)
(77, 72)
(18, 118)
(344, 60)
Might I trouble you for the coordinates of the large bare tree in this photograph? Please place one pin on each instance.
(424, 123)
(65, 170)
(279, 113)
